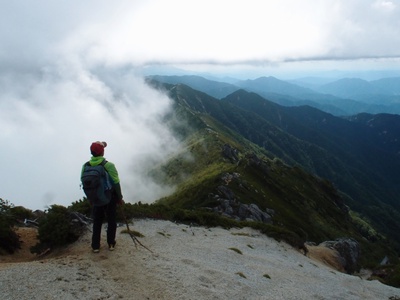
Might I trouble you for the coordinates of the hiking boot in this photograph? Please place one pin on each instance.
(96, 250)
(111, 247)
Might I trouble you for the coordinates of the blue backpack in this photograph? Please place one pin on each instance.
(96, 184)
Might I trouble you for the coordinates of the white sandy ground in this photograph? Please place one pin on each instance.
(187, 263)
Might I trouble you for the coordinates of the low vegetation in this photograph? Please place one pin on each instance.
(241, 274)
(132, 232)
(11, 216)
(236, 250)
(55, 229)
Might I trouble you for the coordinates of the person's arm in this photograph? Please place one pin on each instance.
(112, 171)
(117, 189)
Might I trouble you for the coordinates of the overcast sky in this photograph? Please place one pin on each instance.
(54, 101)
(251, 32)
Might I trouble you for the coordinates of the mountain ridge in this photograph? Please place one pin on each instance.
(275, 172)
(293, 93)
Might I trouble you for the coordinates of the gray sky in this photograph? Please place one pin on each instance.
(54, 101)
(251, 32)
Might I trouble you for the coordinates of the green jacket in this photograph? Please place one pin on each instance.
(111, 170)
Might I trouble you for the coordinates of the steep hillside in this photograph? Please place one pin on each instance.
(357, 141)
(220, 170)
(352, 155)
(384, 129)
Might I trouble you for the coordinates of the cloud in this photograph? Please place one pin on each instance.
(365, 30)
(200, 31)
(49, 121)
(232, 32)
(178, 31)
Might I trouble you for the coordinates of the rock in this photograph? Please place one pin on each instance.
(231, 153)
(349, 251)
(229, 206)
(226, 192)
(385, 261)
(253, 212)
(256, 162)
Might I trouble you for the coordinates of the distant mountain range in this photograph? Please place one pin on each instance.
(362, 90)
(342, 97)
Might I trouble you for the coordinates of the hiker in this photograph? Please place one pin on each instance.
(105, 199)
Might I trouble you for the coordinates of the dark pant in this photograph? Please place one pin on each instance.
(109, 210)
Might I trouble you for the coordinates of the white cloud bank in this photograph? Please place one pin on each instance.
(243, 31)
(180, 31)
(48, 123)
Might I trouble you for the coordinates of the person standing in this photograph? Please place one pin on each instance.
(112, 196)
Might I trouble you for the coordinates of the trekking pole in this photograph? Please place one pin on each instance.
(134, 238)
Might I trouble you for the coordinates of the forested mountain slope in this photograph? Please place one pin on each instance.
(278, 170)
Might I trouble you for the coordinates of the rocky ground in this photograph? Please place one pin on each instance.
(185, 263)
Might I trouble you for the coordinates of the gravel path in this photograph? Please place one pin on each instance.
(187, 263)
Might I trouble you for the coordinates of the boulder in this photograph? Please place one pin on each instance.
(229, 204)
(243, 212)
(225, 192)
(231, 153)
(349, 251)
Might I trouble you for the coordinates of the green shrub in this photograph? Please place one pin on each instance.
(393, 278)
(81, 206)
(236, 250)
(5, 205)
(9, 240)
(21, 213)
(132, 232)
(55, 229)
(364, 227)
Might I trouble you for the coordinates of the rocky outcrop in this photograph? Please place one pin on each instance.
(231, 207)
(242, 212)
(349, 251)
(231, 153)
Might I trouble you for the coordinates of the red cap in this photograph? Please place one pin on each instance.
(97, 148)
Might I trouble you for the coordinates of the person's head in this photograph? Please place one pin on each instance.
(97, 148)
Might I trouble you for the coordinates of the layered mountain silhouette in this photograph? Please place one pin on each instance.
(347, 96)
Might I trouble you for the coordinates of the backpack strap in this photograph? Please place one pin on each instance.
(108, 175)
(103, 163)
